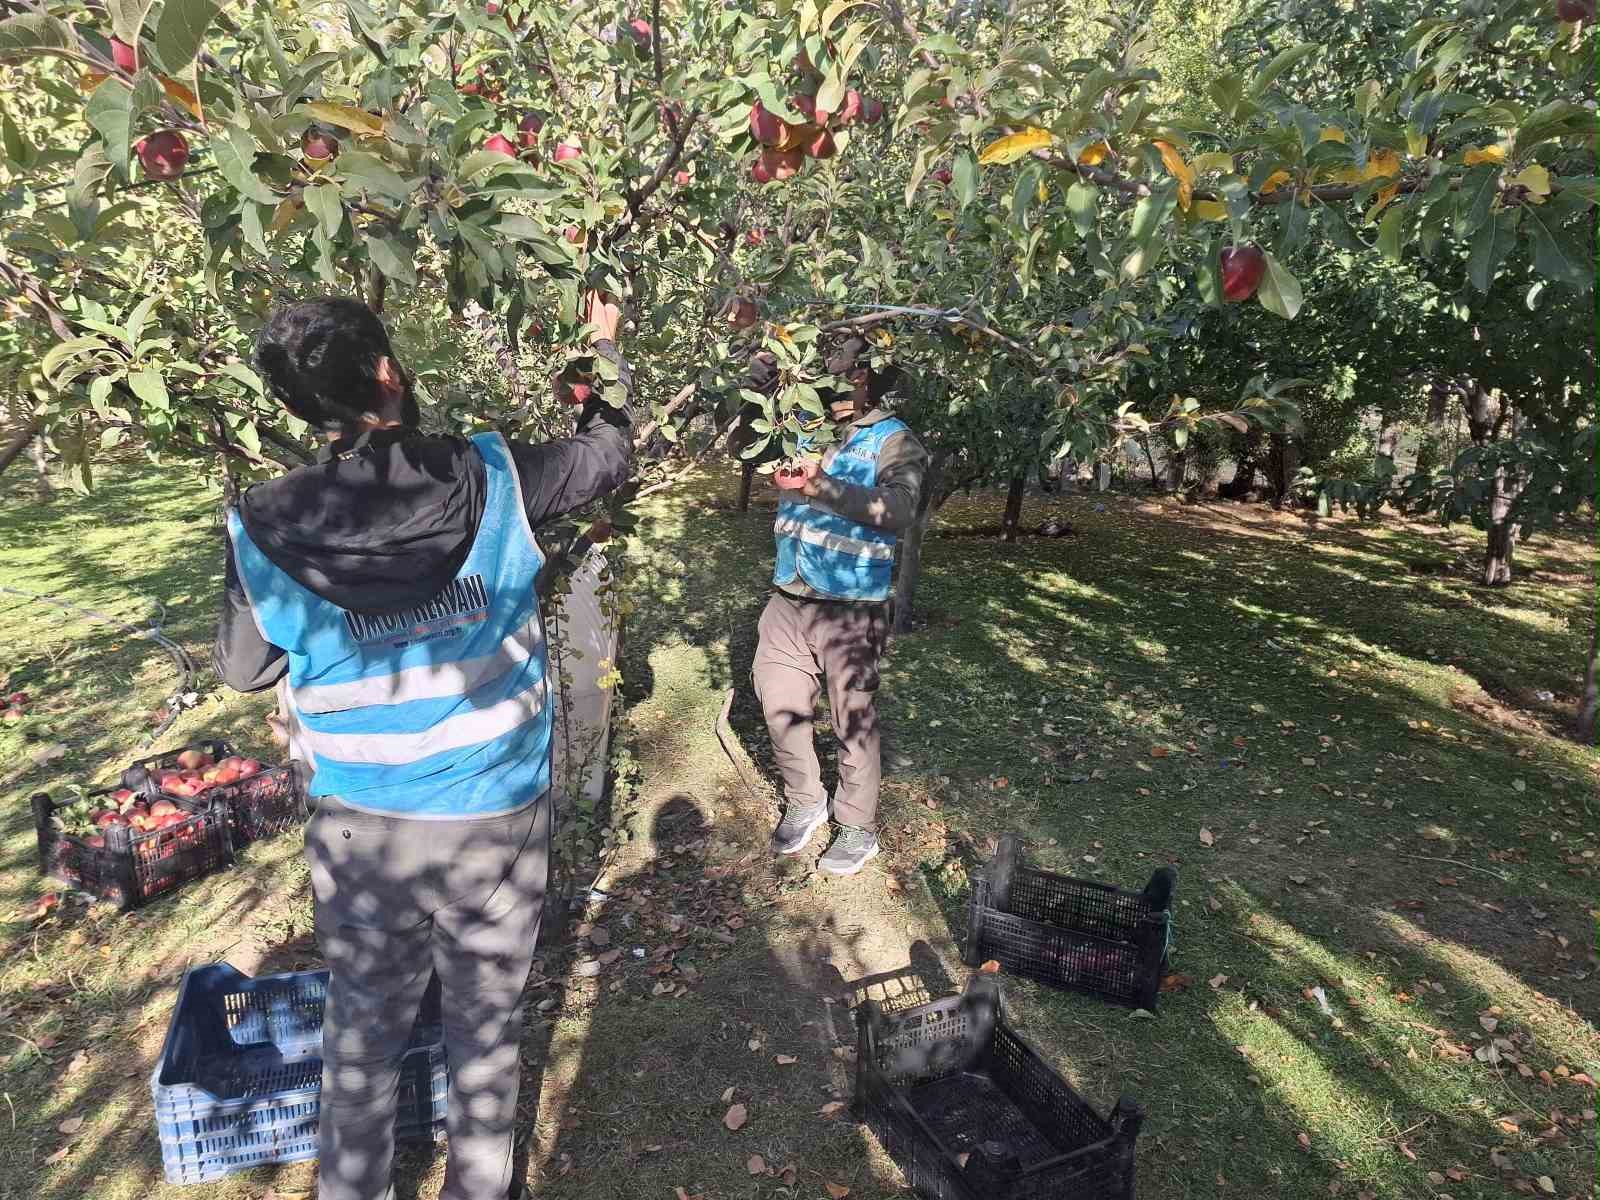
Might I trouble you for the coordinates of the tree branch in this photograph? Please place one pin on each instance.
(33, 289)
(673, 406)
(636, 198)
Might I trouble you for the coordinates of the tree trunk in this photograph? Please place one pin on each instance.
(905, 591)
(1502, 533)
(1285, 466)
(747, 477)
(1013, 514)
(1589, 706)
(1155, 476)
(41, 470)
(23, 438)
(1177, 468)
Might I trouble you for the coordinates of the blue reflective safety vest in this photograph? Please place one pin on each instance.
(436, 711)
(830, 553)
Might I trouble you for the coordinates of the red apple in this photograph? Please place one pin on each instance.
(789, 478)
(849, 109)
(470, 89)
(755, 237)
(107, 817)
(500, 144)
(641, 31)
(17, 698)
(95, 842)
(871, 110)
(163, 154)
(319, 147)
(1571, 11)
(124, 55)
(249, 767)
(782, 164)
(942, 175)
(807, 107)
(1242, 270)
(573, 234)
(682, 178)
(124, 796)
(11, 715)
(764, 126)
(194, 760)
(822, 145)
(743, 313)
(566, 152)
(492, 8)
(528, 130)
(758, 172)
(579, 393)
(162, 807)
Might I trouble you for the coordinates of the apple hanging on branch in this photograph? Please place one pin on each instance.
(499, 143)
(574, 384)
(163, 155)
(1575, 11)
(528, 130)
(1243, 268)
(318, 146)
(125, 56)
(743, 312)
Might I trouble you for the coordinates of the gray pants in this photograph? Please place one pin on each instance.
(396, 901)
(802, 644)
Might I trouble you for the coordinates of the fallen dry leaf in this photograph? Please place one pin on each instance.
(727, 1096)
(1547, 1185)
(1207, 838)
(837, 1190)
(1159, 752)
(736, 1118)
(1304, 1139)
(1176, 982)
(1490, 1024)
(1217, 981)
(832, 1108)
(756, 1165)
(1448, 881)
(70, 1126)
(58, 1155)
(787, 1060)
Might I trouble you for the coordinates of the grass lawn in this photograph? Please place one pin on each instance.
(1372, 745)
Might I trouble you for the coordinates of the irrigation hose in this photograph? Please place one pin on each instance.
(185, 661)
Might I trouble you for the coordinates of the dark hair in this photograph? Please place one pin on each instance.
(880, 380)
(320, 359)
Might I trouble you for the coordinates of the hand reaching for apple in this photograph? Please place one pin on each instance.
(603, 313)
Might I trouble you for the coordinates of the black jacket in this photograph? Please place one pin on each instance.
(384, 521)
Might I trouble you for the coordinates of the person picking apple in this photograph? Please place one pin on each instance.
(390, 588)
(827, 622)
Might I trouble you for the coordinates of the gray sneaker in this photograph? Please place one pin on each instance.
(797, 828)
(852, 849)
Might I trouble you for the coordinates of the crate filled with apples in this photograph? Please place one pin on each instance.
(124, 847)
(258, 801)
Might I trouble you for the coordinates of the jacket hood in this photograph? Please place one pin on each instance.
(336, 528)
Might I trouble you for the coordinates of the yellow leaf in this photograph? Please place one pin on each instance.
(1346, 175)
(1331, 133)
(1215, 160)
(181, 95)
(1181, 171)
(1274, 181)
(1044, 192)
(356, 120)
(1484, 154)
(90, 80)
(285, 212)
(1094, 154)
(1384, 196)
(1416, 143)
(1381, 163)
(1017, 145)
(1535, 177)
(1210, 210)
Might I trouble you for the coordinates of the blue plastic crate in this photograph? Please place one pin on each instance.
(240, 1077)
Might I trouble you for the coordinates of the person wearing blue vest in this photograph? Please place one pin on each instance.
(392, 586)
(827, 619)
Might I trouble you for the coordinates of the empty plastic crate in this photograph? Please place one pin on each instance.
(970, 1111)
(1072, 933)
(239, 1081)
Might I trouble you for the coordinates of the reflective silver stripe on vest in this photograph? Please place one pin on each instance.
(791, 527)
(396, 749)
(431, 681)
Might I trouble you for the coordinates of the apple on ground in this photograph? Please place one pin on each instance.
(163, 155)
(1242, 270)
(124, 55)
(765, 127)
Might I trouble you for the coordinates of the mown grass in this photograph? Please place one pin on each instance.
(1336, 718)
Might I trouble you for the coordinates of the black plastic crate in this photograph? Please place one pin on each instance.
(239, 1083)
(970, 1111)
(270, 802)
(1072, 933)
(133, 867)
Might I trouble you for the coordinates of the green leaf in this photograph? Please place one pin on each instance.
(133, 329)
(324, 203)
(1151, 212)
(965, 177)
(181, 30)
(150, 388)
(127, 18)
(1555, 255)
(18, 149)
(1083, 203)
(1208, 275)
(70, 351)
(391, 257)
(234, 151)
(246, 376)
(1391, 231)
(1490, 244)
(1279, 292)
(249, 437)
(110, 114)
(831, 93)
(31, 33)
(1479, 186)
(1226, 91)
(1280, 63)
(363, 171)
